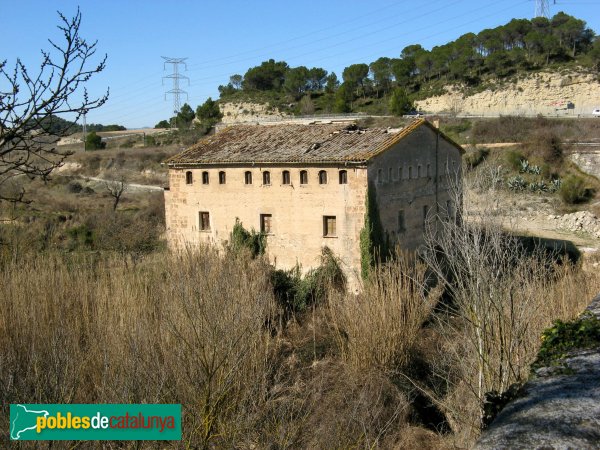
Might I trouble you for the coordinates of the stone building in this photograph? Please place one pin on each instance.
(307, 186)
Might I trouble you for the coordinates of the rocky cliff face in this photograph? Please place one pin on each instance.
(248, 112)
(547, 93)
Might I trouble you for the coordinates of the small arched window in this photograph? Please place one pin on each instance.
(322, 177)
(400, 173)
(248, 177)
(303, 177)
(189, 178)
(205, 177)
(266, 178)
(419, 171)
(390, 175)
(221, 177)
(285, 177)
(343, 177)
(409, 172)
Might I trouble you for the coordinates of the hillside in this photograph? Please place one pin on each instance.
(525, 67)
(546, 92)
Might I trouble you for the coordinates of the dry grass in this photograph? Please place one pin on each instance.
(187, 329)
(378, 327)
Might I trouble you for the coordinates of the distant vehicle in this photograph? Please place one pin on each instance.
(415, 114)
(596, 112)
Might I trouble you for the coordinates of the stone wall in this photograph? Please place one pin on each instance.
(297, 211)
(406, 179)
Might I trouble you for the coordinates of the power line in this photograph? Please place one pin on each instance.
(176, 76)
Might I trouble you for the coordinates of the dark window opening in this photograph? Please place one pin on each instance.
(248, 177)
(204, 177)
(329, 226)
(322, 177)
(266, 178)
(303, 177)
(221, 177)
(204, 221)
(343, 177)
(425, 214)
(189, 178)
(401, 222)
(390, 175)
(286, 177)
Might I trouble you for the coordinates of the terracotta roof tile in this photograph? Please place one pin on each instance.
(291, 144)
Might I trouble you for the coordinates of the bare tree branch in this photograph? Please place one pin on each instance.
(30, 105)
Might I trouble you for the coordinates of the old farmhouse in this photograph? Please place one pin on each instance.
(306, 187)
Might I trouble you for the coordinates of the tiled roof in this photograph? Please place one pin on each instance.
(291, 144)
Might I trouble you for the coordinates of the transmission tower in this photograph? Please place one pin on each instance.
(175, 76)
(542, 9)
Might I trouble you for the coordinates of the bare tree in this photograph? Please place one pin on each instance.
(502, 296)
(30, 106)
(116, 189)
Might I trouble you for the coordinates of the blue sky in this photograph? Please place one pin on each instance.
(223, 38)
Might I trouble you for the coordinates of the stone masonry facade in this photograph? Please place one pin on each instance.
(303, 206)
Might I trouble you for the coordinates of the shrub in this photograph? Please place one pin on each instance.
(514, 158)
(473, 159)
(294, 292)
(242, 240)
(564, 337)
(572, 190)
(94, 142)
(378, 327)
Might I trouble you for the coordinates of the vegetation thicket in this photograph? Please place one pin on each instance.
(264, 357)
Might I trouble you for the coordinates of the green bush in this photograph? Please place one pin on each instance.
(563, 337)
(475, 158)
(94, 142)
(514, 158)
(243, 240)
(294, 292)
(573, 190)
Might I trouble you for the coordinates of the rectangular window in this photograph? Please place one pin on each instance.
(204, 177)
(401, 222)
(266, 178)
(286, 177)
(329, 226)
(265, 223)
(221, 177)
(204, 221)
(303, 177)
(400, 173)
(419, 171)
(390, 175)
